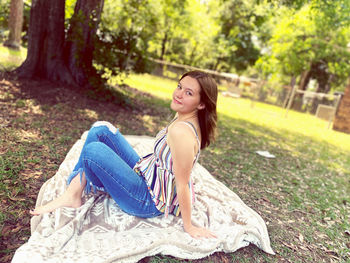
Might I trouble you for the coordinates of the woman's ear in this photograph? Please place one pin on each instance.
(201, 106)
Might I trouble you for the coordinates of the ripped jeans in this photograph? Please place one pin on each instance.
(107, 160)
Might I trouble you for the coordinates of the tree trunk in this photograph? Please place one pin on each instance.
(304, 79)
(15, 24)
(193, 53)
(164, 41)
(50, 55)
(218, 60)
(342, 118)
(45, 43)
(81, 39)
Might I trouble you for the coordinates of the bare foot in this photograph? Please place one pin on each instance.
(66, 200)
(70, 198)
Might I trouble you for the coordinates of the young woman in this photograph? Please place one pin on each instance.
(159, 183)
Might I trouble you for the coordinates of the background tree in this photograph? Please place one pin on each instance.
(130, 32)
(54, 55)
(4, 15)
(238, 22)
(124, 34)
(310, 42)
(15, 24)
(187, 32)
(305, 39)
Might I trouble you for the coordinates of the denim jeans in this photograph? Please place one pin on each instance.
(108, 160)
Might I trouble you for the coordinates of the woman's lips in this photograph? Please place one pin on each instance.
(176, 101)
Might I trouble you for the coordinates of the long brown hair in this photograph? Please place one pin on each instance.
(207, 116)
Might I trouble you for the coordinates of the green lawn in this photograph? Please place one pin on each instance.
(303, 194)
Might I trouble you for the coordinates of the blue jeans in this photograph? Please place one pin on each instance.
(108, 160)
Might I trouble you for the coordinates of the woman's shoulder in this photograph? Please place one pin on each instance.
(181, 128)
(183, 132)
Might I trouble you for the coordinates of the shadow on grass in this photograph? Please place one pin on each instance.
(303, 191)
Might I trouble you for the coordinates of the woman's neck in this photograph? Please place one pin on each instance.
(187, 116)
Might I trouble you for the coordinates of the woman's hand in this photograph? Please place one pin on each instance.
(199, 232)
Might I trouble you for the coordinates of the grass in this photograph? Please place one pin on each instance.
(10, 59)
(303, 194)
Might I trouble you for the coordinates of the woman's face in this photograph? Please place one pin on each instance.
(186, 97)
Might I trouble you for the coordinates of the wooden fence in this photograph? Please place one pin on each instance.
(231, 81)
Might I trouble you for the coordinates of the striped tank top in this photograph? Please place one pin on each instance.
(157, 170)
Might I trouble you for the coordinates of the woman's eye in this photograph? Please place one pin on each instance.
(178, 86)
(189, 93)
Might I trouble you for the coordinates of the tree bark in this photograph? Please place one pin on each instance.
(45, 42)
(15, 24)
(50, 55)
(164, 42)
(304, 79)
(342, 118)
(81, 39)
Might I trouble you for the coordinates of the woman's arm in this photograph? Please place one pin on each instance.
(182, 143)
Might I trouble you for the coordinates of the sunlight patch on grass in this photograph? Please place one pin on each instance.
(11, 59)
(159, 87)
(149, 123)
(28, 136)
(90, 113)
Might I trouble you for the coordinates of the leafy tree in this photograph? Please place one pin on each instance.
(177, 31)
(4, 13)
(188, 31)
(238, 21)
(124, 34)
(310, 42)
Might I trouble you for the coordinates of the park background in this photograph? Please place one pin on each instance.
(75, 62)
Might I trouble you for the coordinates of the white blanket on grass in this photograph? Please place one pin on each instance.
(99, 231)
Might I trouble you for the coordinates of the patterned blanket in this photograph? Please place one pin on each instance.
(99, 231)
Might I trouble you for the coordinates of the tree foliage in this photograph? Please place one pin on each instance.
(278, 39)
(238, 21)
(311, 40)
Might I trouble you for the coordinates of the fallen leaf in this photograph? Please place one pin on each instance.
(322, 236)
(291, 246)
(336, 258)
(16, 229)
(301, 238)
(6, 230)
(6, 258)
(303, 248)
(17, 198)
(265, 199)
(13, 246)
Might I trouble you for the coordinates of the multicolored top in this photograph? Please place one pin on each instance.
(157, 170)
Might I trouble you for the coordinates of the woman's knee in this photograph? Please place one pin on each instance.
(104, 126)
(95, 150)
(98, 130)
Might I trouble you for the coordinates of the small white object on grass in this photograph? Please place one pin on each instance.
(265, 154)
